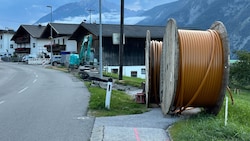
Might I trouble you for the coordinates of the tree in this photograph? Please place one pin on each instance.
(240, 71)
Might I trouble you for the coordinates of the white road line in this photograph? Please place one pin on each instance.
(23, 90)
(35, 81)
(82, 118)
(1, 102)
(35, 74)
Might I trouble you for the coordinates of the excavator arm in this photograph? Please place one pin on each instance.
(85, 52)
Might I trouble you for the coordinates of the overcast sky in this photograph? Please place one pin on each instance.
(16, 12)
(13, 13)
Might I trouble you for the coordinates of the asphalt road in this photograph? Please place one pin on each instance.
(39, 104)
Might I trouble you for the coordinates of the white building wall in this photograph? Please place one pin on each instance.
(37, 46)
(136, 71)
(6, 45)
(71, 45)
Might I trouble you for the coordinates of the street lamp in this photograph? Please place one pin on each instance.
(51, 37)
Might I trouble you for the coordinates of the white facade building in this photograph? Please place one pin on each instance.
(71, 45)
(28, 40)
(61, 33)
(35, 39)
(7, 47)
(37, 46)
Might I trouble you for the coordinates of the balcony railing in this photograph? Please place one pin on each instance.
(56, 48)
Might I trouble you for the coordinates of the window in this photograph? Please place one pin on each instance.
(11, 45)
(58, 41)
(114, 71)
(143, 71)
(34, 45)
(1, 37)
(63, 42)
(133, 73)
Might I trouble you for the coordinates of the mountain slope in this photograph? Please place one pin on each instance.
(192, 14)
(200, 14)
(159, 14)
(84, 9)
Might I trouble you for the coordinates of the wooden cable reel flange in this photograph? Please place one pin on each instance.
(169, 66)
(170, 62)
(221, 29)
(153, 52)
(148, 39)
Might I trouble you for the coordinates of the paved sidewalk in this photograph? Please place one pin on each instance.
(149, 126)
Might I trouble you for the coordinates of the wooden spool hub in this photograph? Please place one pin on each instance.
(170, 60)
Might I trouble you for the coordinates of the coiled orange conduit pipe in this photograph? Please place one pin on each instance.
(154, 73)
(200, 69)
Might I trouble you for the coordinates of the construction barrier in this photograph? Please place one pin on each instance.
(38, 61)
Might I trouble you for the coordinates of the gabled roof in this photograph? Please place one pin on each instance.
(135, 31)
(62, 28)
(59, 29)
(33, 30)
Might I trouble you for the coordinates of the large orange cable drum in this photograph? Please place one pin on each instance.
(194, 68)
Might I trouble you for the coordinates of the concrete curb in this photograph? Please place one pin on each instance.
(112, 133)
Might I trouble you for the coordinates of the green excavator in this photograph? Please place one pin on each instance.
(86, 55)
(84, 61)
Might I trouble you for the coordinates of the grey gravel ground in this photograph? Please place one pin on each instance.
(148, 126)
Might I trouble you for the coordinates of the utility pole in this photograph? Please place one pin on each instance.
(90, 12)
(51, 36)
(8, 43)
(121, 41)
(100, 39)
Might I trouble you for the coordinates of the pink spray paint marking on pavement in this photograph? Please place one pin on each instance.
(137, 135)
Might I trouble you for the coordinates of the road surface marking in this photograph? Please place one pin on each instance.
(1, 102)
(82, 118)
(137, 135)
(23, 90)
(35, 81)
(35, 74)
